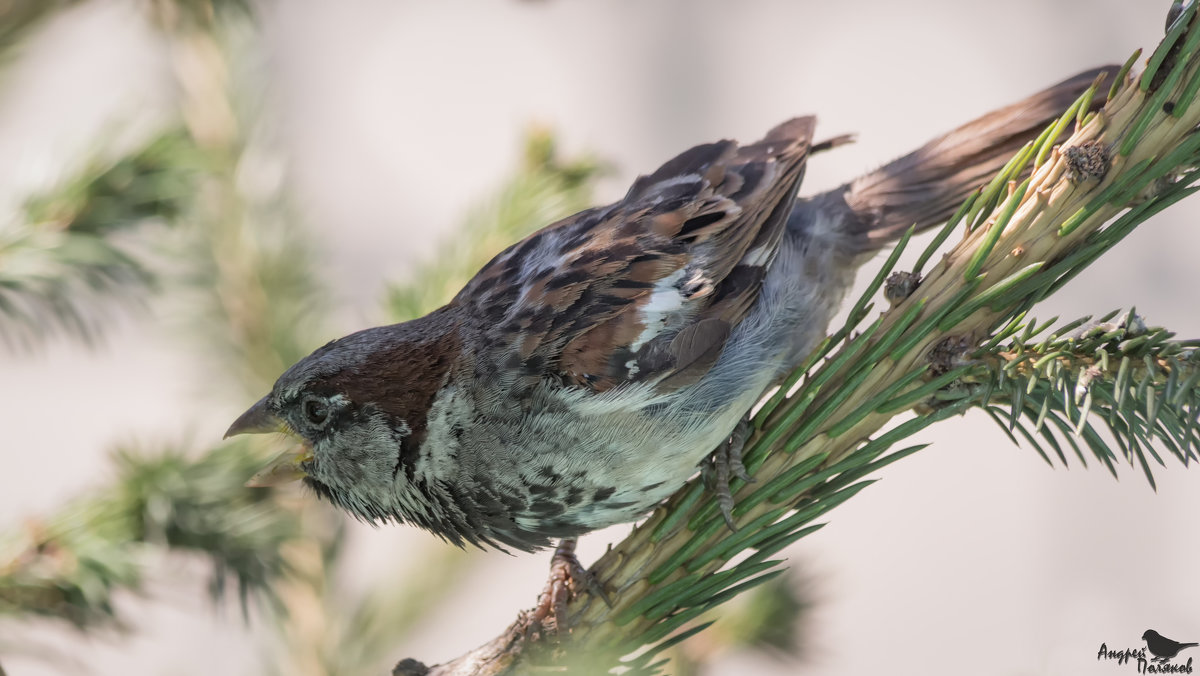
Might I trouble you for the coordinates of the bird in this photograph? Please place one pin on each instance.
(1163, 647)
(586, 372)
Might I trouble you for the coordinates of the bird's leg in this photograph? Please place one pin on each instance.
(726, 461)
(567, 578)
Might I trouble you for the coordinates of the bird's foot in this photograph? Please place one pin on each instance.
(567, 578)
(726, 461)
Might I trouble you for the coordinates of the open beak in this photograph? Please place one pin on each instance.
(283, 469)
(259, 419)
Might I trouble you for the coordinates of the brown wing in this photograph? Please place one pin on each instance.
(649, 288)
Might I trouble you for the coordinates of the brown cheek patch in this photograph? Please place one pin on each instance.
(403, 380)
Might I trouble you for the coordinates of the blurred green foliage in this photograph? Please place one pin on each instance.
(155, 182)
(169, 224)
(19, 17)
(69, 565)
(69, 250)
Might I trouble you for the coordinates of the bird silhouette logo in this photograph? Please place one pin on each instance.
(1162, 647)
(1155, 658)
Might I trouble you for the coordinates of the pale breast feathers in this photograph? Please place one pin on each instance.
(647, 289)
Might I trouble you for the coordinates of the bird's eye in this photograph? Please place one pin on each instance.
(316, 412)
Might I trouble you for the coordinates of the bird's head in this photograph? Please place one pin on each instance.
(358, 407)
(1149, 634)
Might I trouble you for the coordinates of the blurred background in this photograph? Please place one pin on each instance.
(194, 193)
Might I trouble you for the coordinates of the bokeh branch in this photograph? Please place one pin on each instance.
(66, 257)
(241, 273)
(235, 272)
(69, 565)
(20, 17)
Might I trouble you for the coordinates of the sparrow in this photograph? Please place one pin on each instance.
(1163, 647)
(585, 372)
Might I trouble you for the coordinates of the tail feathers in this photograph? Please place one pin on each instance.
(926, 186)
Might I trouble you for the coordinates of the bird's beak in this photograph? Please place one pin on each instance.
(283, 469)
(259, 419)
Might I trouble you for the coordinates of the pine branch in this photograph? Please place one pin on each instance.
(818, 439)
(68, 253)
(1136, 380)
(69, 566)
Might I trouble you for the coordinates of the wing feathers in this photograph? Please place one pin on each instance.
(650, 288)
